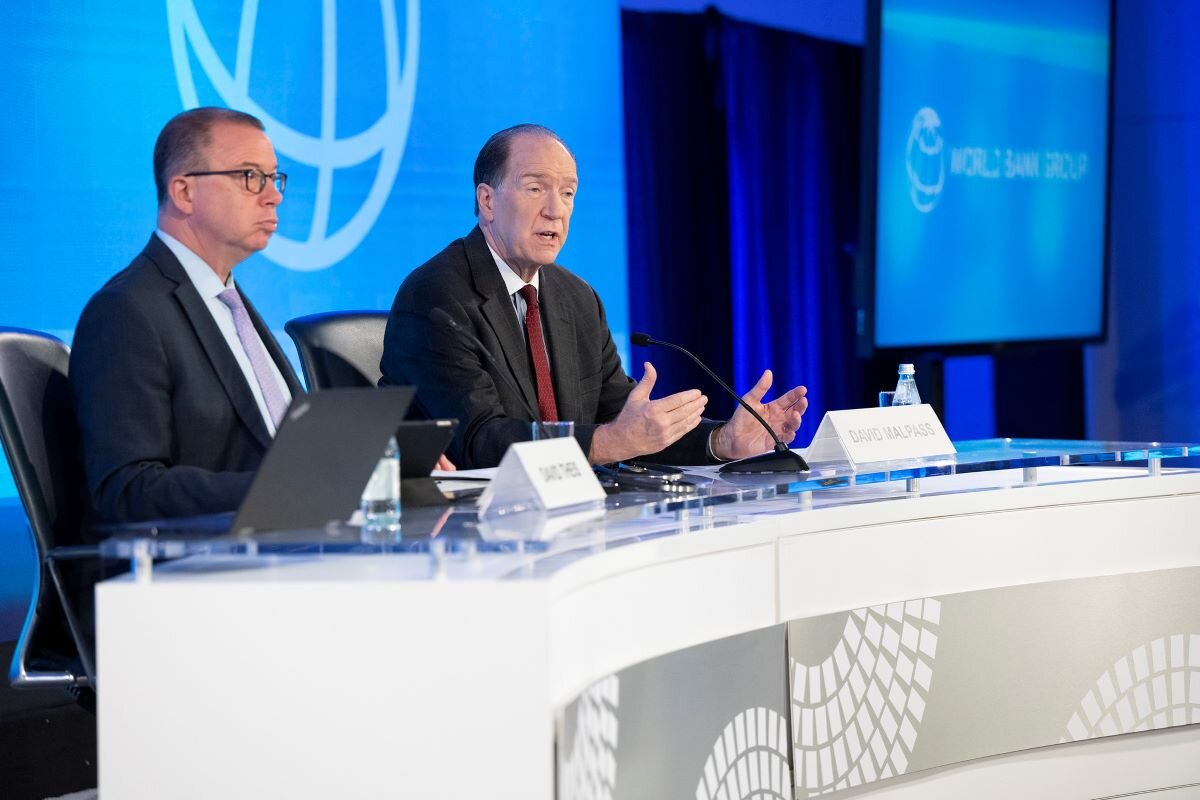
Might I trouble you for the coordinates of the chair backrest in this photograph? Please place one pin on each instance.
(40, 435)
(41, 441)
(339, 348)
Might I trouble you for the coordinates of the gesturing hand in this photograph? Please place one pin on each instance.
(645, 425)
(742, 436)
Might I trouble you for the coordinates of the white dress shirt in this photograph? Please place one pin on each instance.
(513, 283)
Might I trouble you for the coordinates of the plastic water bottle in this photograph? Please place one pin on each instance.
(381, 497)
(906, 387)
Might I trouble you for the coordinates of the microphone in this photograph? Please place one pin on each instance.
(781, 459)
(440, 317)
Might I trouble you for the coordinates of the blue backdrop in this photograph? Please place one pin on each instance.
(1145, 383)
(376, 118)
(377, 111)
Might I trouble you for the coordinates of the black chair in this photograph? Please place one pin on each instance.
(41, 440)
(339, 348)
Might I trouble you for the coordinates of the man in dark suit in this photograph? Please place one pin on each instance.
(177, 382)
(546, 329)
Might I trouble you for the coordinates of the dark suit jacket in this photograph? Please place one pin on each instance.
(454, 381)
(168, 423)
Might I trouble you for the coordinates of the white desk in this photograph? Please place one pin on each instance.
(402, 675)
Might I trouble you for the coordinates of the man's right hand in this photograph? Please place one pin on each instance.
(645, 425)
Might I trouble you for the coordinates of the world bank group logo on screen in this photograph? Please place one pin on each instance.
(924, 160)
(384, 139)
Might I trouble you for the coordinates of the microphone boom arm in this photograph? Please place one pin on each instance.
(781, 459)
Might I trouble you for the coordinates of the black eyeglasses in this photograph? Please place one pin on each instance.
(256, 179)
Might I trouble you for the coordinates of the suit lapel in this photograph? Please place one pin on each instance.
(497, 309)
(224, 365)
(561, 342)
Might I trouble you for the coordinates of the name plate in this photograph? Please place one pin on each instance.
(870, 435)
(545, 475)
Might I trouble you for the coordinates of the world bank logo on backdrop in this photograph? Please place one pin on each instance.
(384, 139)
(924, 160)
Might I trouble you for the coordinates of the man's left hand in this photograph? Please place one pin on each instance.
(742, 436)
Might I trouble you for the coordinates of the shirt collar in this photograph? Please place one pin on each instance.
(512, 281)
(201, 274)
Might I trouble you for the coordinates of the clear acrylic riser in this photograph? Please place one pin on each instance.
(541, 542)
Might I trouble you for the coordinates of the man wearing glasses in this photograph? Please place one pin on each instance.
(178, 384)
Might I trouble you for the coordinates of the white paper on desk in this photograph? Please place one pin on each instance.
(473, 475)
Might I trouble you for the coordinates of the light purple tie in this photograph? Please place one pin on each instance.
(260, 362)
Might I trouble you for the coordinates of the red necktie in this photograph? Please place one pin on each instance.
(537, 348)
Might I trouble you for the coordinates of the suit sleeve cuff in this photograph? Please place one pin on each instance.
(708, 448)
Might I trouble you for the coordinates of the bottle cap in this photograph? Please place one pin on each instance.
(907, 369)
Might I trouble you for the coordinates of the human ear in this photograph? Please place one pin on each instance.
(484, 195)
(179, 191)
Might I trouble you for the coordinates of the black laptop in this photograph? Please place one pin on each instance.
(319, 462)
(323, 453)
(421, 442)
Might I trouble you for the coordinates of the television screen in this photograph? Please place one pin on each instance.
(991, 171)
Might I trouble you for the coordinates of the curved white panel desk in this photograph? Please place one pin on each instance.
(881, 635)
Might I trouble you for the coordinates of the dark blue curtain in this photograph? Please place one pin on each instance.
(677, 198)
(792, 120)
(742, 152)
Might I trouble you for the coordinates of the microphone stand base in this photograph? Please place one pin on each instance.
(773, 461)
